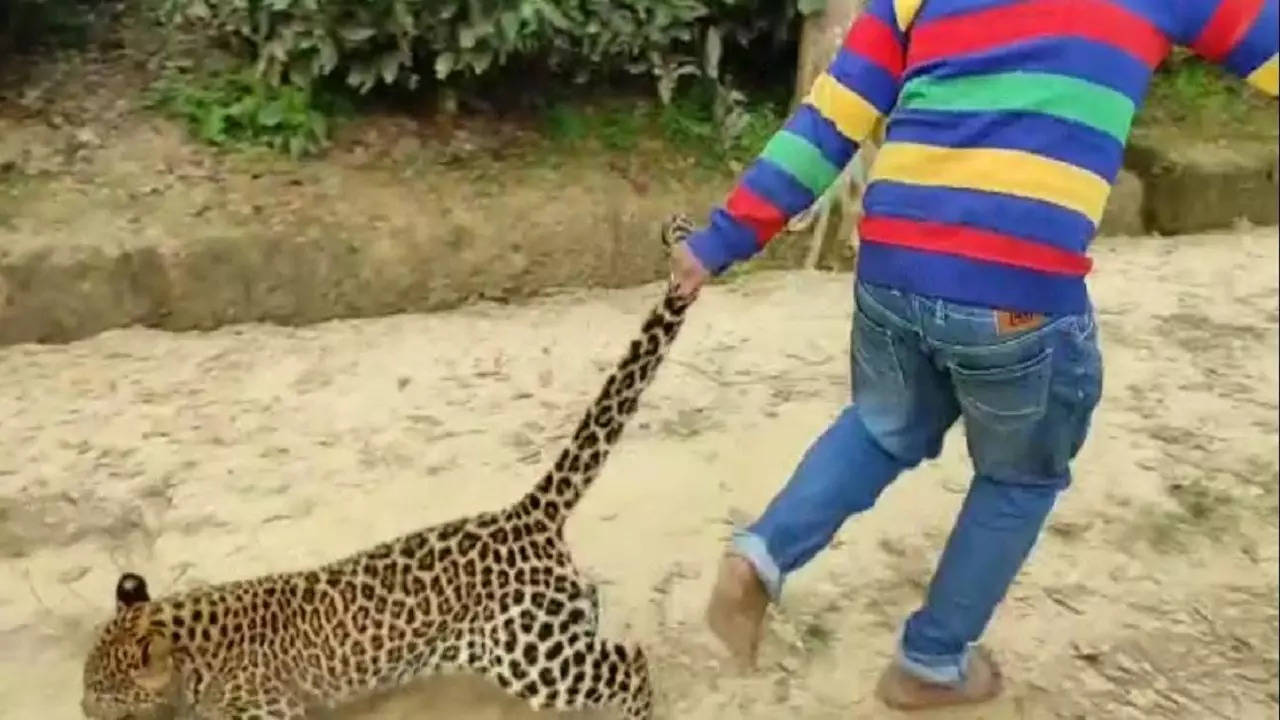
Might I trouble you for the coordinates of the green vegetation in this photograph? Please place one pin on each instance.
(1190, 95)
(708, 124)
(368, 43)
(299, 66)
(238, 109)
(667, 65)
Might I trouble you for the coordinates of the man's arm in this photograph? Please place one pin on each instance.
(1239, 35)
(803, 159)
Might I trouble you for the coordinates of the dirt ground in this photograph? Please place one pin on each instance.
(205, 457)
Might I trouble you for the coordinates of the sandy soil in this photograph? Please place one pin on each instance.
(205, 457)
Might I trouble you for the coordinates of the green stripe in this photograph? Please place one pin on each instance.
(801, 160)
(1058, 95)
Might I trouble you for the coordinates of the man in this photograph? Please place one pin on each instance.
(1005, 128)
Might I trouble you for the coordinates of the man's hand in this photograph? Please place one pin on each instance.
(687, 273)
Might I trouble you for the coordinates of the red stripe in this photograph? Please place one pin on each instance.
(973, 244)
(874, 40)
(755, 212)
(1226, 26)
(1096, 20)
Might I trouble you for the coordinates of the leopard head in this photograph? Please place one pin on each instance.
(130, 673)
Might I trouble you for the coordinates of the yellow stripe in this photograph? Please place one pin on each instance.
(906, 10)
(1267, 76)
(1012, 172)
(848, 111)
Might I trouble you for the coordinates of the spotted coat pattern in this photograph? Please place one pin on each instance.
(495, 593)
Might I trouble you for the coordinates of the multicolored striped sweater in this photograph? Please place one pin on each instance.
(1006, 122)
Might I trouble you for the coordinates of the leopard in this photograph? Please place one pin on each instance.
(495, 594)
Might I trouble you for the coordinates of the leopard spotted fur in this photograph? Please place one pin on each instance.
(496, 594)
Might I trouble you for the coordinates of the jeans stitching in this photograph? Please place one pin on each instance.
(862, 295)
(1023, 416)
(885, 335)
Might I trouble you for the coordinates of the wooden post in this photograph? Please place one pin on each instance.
(820, 37)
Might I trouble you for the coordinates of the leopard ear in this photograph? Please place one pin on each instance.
(131, 589)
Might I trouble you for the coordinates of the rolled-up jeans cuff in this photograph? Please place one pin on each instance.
(753, 548)
(946, 670)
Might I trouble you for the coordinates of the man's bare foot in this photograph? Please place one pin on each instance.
(901, 690)
(737, 608)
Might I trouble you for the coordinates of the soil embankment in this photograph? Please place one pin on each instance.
(110, 225)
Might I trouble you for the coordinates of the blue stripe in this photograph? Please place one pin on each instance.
(972, 282)
(1160, 13)
(1192, 17)
(864, 77)
(1095, 62)
(1258, 44)
(938, 10)
(883, 10)
(1047, 135)
(776, 186)
(809, 124)
(1023, 218)
(723, 242)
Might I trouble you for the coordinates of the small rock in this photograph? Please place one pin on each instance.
(88, 138)
(1086, 652)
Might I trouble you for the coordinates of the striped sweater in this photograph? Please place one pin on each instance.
(1005, 125)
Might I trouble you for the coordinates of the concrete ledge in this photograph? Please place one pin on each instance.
(503, 249)
(1192, 186)
(1123, 214)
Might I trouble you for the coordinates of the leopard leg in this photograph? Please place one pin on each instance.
(621, 676)
(250, 699)
(572, 669)
(275, 708)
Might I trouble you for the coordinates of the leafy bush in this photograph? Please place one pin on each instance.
(372, 42)
(240, 109)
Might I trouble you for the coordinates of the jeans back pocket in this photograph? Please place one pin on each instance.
(1005, 398)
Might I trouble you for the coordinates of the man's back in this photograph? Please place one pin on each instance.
(1009, 130)
(1005, 128)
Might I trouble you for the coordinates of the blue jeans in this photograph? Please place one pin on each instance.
(1026, 397)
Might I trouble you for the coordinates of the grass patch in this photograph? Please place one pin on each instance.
(235, 109)
(612, 126)
(1190, 94)
(715, 129)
